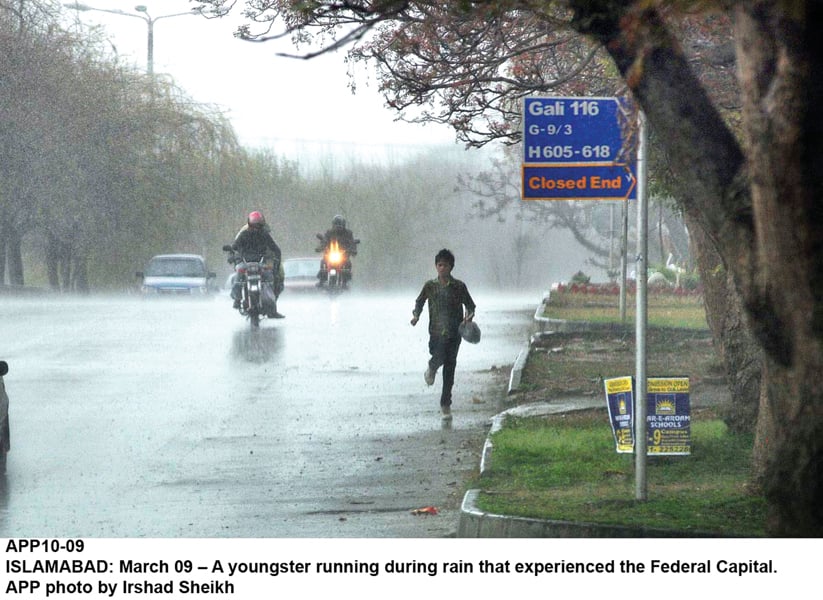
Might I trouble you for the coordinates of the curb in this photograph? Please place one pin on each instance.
(517, 369)
(475, 523)
(523, 355)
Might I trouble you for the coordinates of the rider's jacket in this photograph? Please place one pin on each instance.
(251, 243)
(344, 237)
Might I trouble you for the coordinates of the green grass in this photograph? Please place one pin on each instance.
(663, 311)
(565, 467)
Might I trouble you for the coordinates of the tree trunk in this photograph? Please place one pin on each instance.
(52, 259)
(14, 256)
(742, 357)
(780, 55)
(760, 208)
(3, 238)
(80, 279)
(65, 267)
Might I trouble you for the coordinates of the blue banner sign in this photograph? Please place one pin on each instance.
(620, 401)
(584, 134)
(578, 182)
(668, 416)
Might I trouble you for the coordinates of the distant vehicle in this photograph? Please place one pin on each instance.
(300, 274)
(336, 267)
(5, 444)
(176, 275)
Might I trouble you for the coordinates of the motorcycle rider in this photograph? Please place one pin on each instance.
(253, 240)
(345, 239)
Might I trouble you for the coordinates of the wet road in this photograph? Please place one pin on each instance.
(134, 418)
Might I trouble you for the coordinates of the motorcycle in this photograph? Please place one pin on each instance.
(5, 443)
(257, 298)
(335, 268)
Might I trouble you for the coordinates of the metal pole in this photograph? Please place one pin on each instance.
(624, 244)
(145, 16)
(150, 48)
(642, 315)
(611, 239)
(150, 21)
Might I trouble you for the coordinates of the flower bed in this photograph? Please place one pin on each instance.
(601, 303)
(613, 289)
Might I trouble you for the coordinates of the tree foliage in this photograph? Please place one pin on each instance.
(102, 167)
(99, 164)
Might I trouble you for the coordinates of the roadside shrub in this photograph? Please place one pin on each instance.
(580, 277)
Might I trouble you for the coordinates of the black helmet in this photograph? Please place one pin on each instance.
(338, 221)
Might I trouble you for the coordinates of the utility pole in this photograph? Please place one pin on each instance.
(641, 491)
(144, 16)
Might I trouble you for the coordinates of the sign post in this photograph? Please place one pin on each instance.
(574, 149)
(641, 320)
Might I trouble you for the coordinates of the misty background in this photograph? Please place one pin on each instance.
(103, 165)
(403, 212)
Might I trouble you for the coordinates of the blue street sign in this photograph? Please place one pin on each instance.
(583, 134)
(579, 182)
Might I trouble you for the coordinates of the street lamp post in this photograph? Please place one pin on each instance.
(140, 8)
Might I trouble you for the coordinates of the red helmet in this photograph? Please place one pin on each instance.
(256, 218)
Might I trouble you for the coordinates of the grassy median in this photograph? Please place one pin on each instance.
(566, 467)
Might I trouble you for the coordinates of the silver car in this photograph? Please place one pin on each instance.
(301, 273)
(5, 444)
(176, 275)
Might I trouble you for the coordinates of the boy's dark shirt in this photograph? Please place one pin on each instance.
(445, 305)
